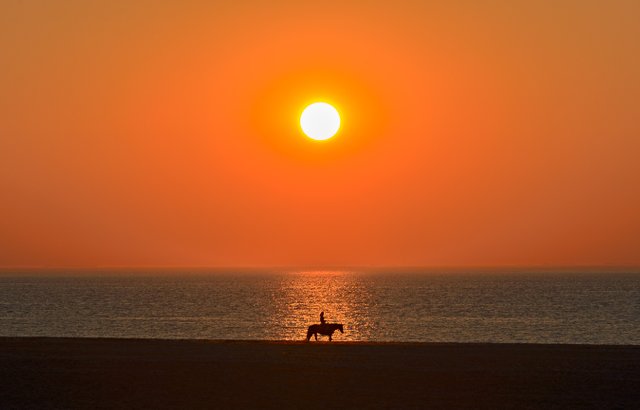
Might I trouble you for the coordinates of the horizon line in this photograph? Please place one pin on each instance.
(318, 267)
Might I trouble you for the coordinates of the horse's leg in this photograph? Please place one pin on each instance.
(330, 334)
(316, 336)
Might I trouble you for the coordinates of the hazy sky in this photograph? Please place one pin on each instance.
(166, 133)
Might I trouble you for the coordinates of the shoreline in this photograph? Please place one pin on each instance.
(43, 372)
(312, 342)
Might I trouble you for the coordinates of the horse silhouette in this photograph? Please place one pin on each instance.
(326, 329)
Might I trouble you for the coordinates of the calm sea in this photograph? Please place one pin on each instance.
(519, 306)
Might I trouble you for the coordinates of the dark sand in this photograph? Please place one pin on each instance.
(121, 373)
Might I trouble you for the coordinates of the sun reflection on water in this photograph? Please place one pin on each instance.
(342, 295)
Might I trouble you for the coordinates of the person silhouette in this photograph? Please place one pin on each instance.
(322, 318)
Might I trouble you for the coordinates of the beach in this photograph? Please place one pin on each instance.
(145, 373)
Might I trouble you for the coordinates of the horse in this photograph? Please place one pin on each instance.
(327, 330)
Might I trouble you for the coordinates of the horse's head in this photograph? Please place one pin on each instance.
(340, 328)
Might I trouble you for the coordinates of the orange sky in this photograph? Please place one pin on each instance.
(166, 133)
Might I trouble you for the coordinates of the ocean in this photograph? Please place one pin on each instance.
(505, 306)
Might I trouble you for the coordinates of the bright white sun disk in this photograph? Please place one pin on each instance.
(320, 121)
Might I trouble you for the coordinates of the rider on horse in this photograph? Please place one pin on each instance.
(324, 328)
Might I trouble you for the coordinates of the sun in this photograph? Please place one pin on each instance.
(320, 121)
